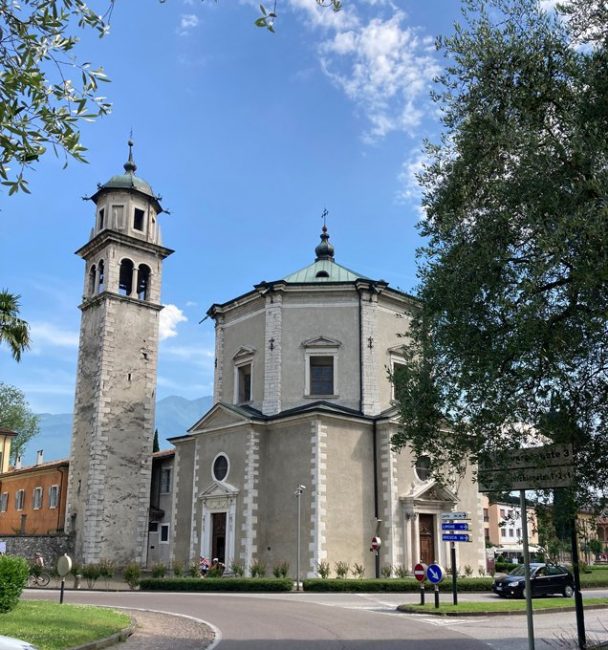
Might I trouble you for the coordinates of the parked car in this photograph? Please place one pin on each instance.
(9, 643)
(544, 578)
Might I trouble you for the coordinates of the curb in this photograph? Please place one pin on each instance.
(121, 635)
(406, 609)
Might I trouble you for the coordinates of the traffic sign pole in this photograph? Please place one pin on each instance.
(524, 530)
(437, 596)
(422, 593)
(454, 573)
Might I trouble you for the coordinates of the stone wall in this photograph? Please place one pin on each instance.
(51, 546)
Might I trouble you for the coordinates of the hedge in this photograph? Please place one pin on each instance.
(216, 584)
(394, 584)
(14, 572)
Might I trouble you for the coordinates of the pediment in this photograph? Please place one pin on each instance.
(218, 416)
(321, 342)
(434, 492)
(397, 349)
(244, 352)
(218, 490)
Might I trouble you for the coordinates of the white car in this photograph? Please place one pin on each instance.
(8, 643)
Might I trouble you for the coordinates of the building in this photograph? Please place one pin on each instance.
(111, 452)
(503, 527)
(303, 398)
(161, 497)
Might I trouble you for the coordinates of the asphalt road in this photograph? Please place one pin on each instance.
(308, 621)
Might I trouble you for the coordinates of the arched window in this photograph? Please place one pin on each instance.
(143, 282)
(125, 278)
(101, 280)
(91, 289)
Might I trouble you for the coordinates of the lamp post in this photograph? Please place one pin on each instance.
(298, 494)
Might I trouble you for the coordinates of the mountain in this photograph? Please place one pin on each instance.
(174, 416)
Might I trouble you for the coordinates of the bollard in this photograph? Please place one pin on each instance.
(421, 593)
(436, 596)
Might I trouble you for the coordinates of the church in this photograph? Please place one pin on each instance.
(298, 439)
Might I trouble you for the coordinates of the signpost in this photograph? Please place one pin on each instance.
(435, 573)
(64, 566)
(535, 468)
(454, 521)
(420, 575)
(454, 516)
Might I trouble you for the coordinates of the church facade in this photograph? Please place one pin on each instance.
(303, 404)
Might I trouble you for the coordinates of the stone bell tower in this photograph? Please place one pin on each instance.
(112, 438)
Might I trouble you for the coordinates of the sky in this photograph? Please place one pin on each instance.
(248, 136)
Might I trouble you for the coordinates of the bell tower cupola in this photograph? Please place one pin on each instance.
(112, 438)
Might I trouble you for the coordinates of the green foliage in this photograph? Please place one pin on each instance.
(217, 584)
(510, 336)
(358, 570)
(13, 578)
(268, 17)
(468, 570)
(280, 570)
(178, 569)
(323, 569)
(595, 546)
(159, 570)
(392, 585)
(194, 570)
(107, 569)
(132, 574)
(238, 569)
(386, 571)
(401, 571)
(16, 415)
(257, 569)
(155, 443)
(91, 573)
(342, 569)
(14, 331)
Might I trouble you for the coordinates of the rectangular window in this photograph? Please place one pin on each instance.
(4, 502)
(244, 381)
(19, 499)
(53, 496)
(486, 514)
(321, 375)
(164, 533)
(101, 219)
(165, 481)
(397, 368)
(503, 532)
(519, 532)
(503, 513)
(138, 219)
(153, 527)
(511, 533)
(37, 498)
(486, 534)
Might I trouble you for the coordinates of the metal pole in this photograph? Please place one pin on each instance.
(436, 596)
(524, 530)
(454, 573)
(422, 593)
(61, 593)
(298, 493)
(578, 598)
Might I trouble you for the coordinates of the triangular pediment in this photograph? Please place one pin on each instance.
(321, 342)
(218, 489)
(244, 352)
(434, 492)
(219, 416)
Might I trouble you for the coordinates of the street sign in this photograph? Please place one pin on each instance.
(376, 543)
(533, 468)
(453, 526)
(451, 537)
(435, 573)
(420, 572)
(451, 516)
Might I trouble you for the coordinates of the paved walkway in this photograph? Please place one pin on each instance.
(154, 631)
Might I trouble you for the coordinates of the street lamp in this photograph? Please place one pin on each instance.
(298, 494)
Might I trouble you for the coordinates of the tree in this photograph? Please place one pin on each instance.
(155, 444)
(14, 331)
(511, 337)
(16, 415)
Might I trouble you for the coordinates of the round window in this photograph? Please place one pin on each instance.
(220, 467)
(423, 468)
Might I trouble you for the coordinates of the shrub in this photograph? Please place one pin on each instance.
(91, 573)
(194, 570)
(481, 571)
(159, 570)
(401, 571)
(238, 568)
(106, 571)
(386, 571)
(392, 585)
(178, 569)
(13, 577)
(132, 574)
(216, 584)
(358, 570)
(258, 569)
(468, 570)
(323, 570)
(280, 570)
(342, 569)
(504, 567)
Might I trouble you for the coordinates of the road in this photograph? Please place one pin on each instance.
(308, 621)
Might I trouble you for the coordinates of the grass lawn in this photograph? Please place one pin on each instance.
(489, 607)
(52, 626)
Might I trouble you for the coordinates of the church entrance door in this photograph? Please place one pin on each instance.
(218, 536)
(427, 538)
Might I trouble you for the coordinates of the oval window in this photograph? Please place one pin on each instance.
(220, 467)
(423, 468)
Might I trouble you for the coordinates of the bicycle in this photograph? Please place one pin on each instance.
(41, 579)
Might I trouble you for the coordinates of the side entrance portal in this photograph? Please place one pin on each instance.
(427, 538)
(218, 536)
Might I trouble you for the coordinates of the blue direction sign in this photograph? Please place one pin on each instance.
(450, 537)
(456, 526)
(435, 573)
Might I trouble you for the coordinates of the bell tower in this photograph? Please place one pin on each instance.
(114, 408)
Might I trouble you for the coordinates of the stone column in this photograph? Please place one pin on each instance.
(272, 354)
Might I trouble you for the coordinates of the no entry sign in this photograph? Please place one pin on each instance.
(420, 572)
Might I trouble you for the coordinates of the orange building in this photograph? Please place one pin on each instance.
(32, 499)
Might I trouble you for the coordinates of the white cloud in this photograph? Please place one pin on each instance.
(43, 333)
(410, 191)
(186, 23)
(199, 355)
(191, 303)
(170, 317)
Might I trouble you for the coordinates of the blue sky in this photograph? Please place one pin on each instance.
(247, 136)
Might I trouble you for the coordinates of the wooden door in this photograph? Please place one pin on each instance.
(218, 539)
(426, 524)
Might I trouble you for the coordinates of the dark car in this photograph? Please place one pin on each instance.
(544, 578)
